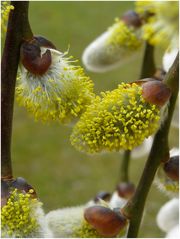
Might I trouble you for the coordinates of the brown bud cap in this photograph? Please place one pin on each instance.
(44, 42)
(102, 195)
(171, 168)
(156, 92)
(5, 192)
(131, 18)
(159, 74)
(125, 190)
(142, 81)
(30, 54)
(107, 222)
(22, 185)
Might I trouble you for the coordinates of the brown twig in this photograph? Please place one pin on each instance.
(18, 30)
(124, 169)
(148, 67)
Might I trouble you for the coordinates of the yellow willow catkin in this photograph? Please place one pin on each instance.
(85, 230)
(162, 25)
(112, 48)
(121, 119)
(5, 10)
(124, 36)
(18, 216)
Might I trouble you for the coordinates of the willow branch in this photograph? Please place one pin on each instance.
(148, 65)
(159, 152)
(18, 29)
(124, 170)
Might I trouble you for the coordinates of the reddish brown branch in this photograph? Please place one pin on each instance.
(17, 30)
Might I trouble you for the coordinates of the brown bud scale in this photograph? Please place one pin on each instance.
(107, 222)
(131, 18)
(44, 42)
(22, 185)
(30, 54)
(171, 168)
(102, 195)
(156, 92)
(159, 74)
(125, 189)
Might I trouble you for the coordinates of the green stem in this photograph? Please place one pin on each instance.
(18, 29)
(169, 79)
(124, 175)
(159, 152)
(148, 66)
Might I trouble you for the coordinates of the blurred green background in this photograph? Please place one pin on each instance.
(42, 153)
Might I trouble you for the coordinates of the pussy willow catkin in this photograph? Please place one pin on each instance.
(120, 119)
(5, 10)
(113, 47)
(123, 36)
(69, 222)
(62, 93)
(161, 22)
(23, 216)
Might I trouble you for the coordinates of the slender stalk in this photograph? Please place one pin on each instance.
(159, 152)
(124, 169)
(18, 29)
(148, 65)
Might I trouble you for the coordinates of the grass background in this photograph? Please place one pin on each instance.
(42, 153)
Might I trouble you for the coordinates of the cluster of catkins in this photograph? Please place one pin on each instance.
(103, 216)
(53, 88)
(22, 214)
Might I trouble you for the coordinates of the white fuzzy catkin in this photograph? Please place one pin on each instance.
(168, 215)
(143, 149)
(112, 48)
(97, 57)
(117, 201)
(174, 232)
(43, 230)
(173, 152)
(61, 93)
(169, 58)
(63, 221)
